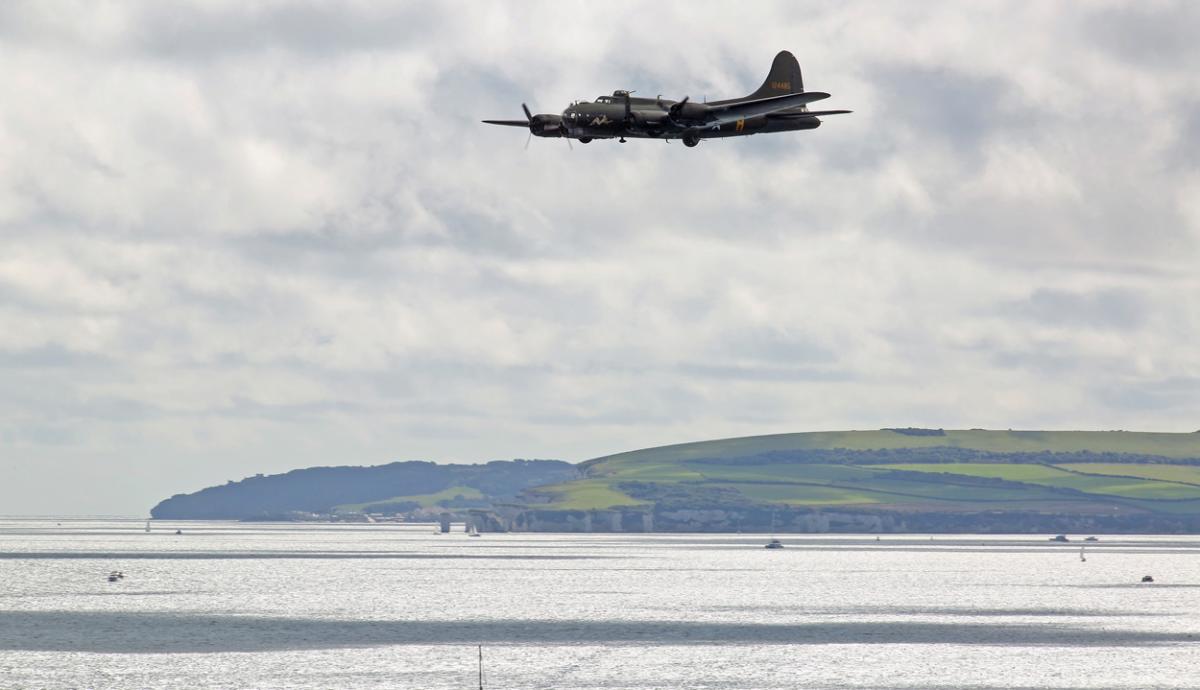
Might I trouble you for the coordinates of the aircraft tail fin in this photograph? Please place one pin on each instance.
(784, 78)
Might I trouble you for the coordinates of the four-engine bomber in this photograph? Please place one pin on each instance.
(779, 105)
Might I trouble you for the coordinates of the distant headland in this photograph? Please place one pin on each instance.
(890, 480)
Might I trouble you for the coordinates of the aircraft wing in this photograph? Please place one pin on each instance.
(733, 112)
(806, 113)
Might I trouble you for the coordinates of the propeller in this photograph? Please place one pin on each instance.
(529, 120)
(541, 125)
(676, 109)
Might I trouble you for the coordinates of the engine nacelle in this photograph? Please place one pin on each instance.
(546, 125)
(648, 120)
(690, 112)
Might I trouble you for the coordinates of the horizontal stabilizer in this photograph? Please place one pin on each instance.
(806, 113)
(508, 123)
(741, 110)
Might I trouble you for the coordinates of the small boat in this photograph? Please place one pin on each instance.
(774, 543)
(1147, 578)
(1061, 537)
(1081, 556)
(473, 532)
(1092, 539)
(116, 575)
(147, 527)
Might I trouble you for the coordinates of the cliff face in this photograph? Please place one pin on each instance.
(321, 489)
(820, 521)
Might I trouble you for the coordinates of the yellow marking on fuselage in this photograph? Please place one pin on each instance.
(741, 124)
(782, 85)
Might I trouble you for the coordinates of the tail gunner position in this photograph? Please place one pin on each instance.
(779, 105)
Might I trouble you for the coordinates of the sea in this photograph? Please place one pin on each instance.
(273, 605)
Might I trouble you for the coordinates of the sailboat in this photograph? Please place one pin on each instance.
(774, 543)
(472, 532)
(147, 527)
(1081, 556)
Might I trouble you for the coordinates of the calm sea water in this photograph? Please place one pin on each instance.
(228, 605)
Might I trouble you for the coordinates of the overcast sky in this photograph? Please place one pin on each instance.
(251, 237)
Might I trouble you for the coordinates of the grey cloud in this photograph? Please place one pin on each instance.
(1185, 153)
(946, 105)
(212, 31)
(1161, 36)
(285, 237)
(52, 356)
(762, 373)
(40, 435)
(1053, 359)
(1174, 393)
(1111, 308)
(242, 407)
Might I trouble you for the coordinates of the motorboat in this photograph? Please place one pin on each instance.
(774, 544)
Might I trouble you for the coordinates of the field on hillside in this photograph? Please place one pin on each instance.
(999, 470)
(454, 493)
(1125, 442)
(1185, 474)
(1048, 475)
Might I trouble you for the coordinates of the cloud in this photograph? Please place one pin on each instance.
(240, 239)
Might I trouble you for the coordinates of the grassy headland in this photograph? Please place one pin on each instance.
(909, 470)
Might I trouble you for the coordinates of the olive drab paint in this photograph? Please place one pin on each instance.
(779, 105)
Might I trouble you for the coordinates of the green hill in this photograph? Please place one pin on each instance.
(398, 487)
(902, 471)
(900, 480)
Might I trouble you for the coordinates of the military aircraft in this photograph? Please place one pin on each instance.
(779, 105)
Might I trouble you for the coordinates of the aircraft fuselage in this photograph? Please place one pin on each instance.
(779, 105)
(650, 118)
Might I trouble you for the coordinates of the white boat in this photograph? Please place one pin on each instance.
(472, 532)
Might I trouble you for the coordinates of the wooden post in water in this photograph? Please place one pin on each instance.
(480, 667)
